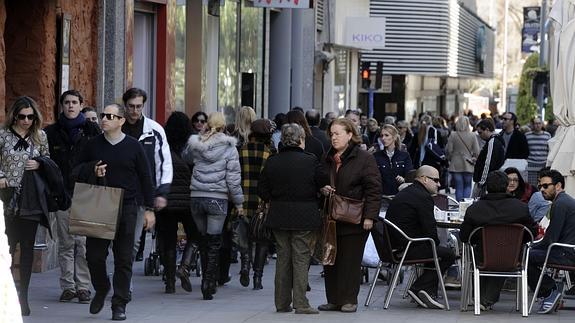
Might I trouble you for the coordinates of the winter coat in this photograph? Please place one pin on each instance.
(518, 147)
(253, 156)
(462, 146)
(399, 165)
(217, 171)
(357, 178)
(290, 181)
(179, 196)
(157, 150)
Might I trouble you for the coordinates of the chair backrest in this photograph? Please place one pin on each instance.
(382, 242)
(502, 246)
(441, 201)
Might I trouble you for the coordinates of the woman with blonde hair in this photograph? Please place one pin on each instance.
(393, 163)
(244, 118)
(216, 176)
(353, 174)
(462, 151)
(21, 141)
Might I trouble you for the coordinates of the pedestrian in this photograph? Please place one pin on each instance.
(372, 131)
(21, 140)
(326, 120)
(178, 130)
(241, 128)
(538, 142)
(405, 134)
(122, 160)
(152, 137)
(393, 163)
(199, 122)
(290, 182)
(91, 114)
(462, 152)
(312, 144)
(253, 156)
(491, 156)
(280, 119)
(216, 176)
(313, 119)
(353, 173)
(66, 139)
(516, 146)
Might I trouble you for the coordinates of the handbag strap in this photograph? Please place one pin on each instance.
(464, 144)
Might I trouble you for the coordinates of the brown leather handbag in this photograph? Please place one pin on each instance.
(345, 209)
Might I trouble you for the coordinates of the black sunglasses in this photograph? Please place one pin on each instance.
(109, 116)
(544, 186)
(30, 117)
(436, 180)
(201, 121)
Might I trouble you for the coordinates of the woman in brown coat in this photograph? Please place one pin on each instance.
(462, 151)
(354, 174)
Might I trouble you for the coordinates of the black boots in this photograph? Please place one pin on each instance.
(260, 257)
(245, 268)
(211, 266)
(188, 262)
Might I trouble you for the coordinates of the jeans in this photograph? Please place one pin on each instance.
(71, 256)
(209, 214)
(463, 183)
(97, 252)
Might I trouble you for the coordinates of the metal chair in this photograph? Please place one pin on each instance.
(397, 261)
(505, 254)
(556, 267)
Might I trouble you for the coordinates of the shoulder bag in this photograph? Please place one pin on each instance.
(345, 209)
(257, 227)
(470, 160)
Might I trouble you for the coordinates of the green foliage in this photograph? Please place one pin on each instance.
(526, 107)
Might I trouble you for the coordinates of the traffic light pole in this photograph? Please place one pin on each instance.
(370, 93)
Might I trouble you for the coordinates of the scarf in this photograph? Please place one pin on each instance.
(72, 126)
(22, 143)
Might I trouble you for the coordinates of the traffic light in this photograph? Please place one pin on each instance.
(365, 73)
(378, 75)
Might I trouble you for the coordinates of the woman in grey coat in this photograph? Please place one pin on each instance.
(216, 177)
(462, 151)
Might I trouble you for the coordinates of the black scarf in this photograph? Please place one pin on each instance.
(72, 126)
(22, 143)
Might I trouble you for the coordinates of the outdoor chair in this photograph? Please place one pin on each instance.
(396, 260)
(555, 267)
(505, 254)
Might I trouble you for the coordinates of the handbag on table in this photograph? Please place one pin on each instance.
(95, 210)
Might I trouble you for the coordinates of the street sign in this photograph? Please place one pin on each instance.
(290, 4)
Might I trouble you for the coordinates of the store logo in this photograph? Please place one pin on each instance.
(368, 37)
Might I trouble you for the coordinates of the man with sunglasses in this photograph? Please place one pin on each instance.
(66, 139)
(122, 161)
(412, 211)
(561, 229)
(153, 139)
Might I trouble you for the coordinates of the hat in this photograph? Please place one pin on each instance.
(263, 127)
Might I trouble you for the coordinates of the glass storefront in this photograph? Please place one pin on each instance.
(342, 79)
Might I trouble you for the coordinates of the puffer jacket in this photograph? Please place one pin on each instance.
(217, 172)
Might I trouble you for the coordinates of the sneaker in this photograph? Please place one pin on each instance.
(306, 310)
(67, 295)
(328, 307)
(349, 308)
(429, 300)
(452, 282)
(550, 302)
(416, 298)
(84, 296)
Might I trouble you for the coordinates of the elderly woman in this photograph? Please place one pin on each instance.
(393, 163)
(462, 151)
(290, 182)
(353, 174)
(215, 178)
(21, 141)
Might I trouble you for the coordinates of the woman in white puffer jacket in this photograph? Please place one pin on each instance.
(216, 177)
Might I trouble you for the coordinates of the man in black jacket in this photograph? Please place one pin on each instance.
(412, 211)
(313, 119)
(516, 146)
(491, 156)
(66, 139)
(497, 207)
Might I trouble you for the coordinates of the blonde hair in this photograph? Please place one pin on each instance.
(244, 118)
(21, 103)
(462, 124)
(216, 124)
(394, 133)
(349, 127)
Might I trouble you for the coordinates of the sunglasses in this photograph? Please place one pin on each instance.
(30, 117)
(109, 116)
(544, 186)
(201, 121)
(436, 180)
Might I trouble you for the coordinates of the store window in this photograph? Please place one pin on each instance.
(180, 63)
(228, 59)
(342, 79)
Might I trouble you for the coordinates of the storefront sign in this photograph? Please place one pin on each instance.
(531, 28)
(292, 4)
(365, 32)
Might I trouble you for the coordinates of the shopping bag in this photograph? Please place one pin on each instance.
(329, 242)
(95, 210)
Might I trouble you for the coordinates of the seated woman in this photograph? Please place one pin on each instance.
(517, 187)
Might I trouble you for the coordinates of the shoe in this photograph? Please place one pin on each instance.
(207, 289)
(24, 307)
(328, 307)
(430, 301)
(185, 279)
(484, 307)
(550, 302)
(452, 282)
(224, 281)
(67, 295)
(416, 298)
(118, 313)
(170, 287)
(140, 256)
(349, 308)
(258, 283)
(306, 310)
(288, 309)
(245, 278)
(98, 301)
(84, 296)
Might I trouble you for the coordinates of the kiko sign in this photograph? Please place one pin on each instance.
(365, 32)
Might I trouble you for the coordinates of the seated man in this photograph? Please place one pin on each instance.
(412, 211)
(496, 207)
(561, 229)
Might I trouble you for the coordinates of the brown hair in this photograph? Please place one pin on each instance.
(349, 127)
(295, 116)
(21, 103)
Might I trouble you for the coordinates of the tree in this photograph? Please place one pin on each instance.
(526, 107)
